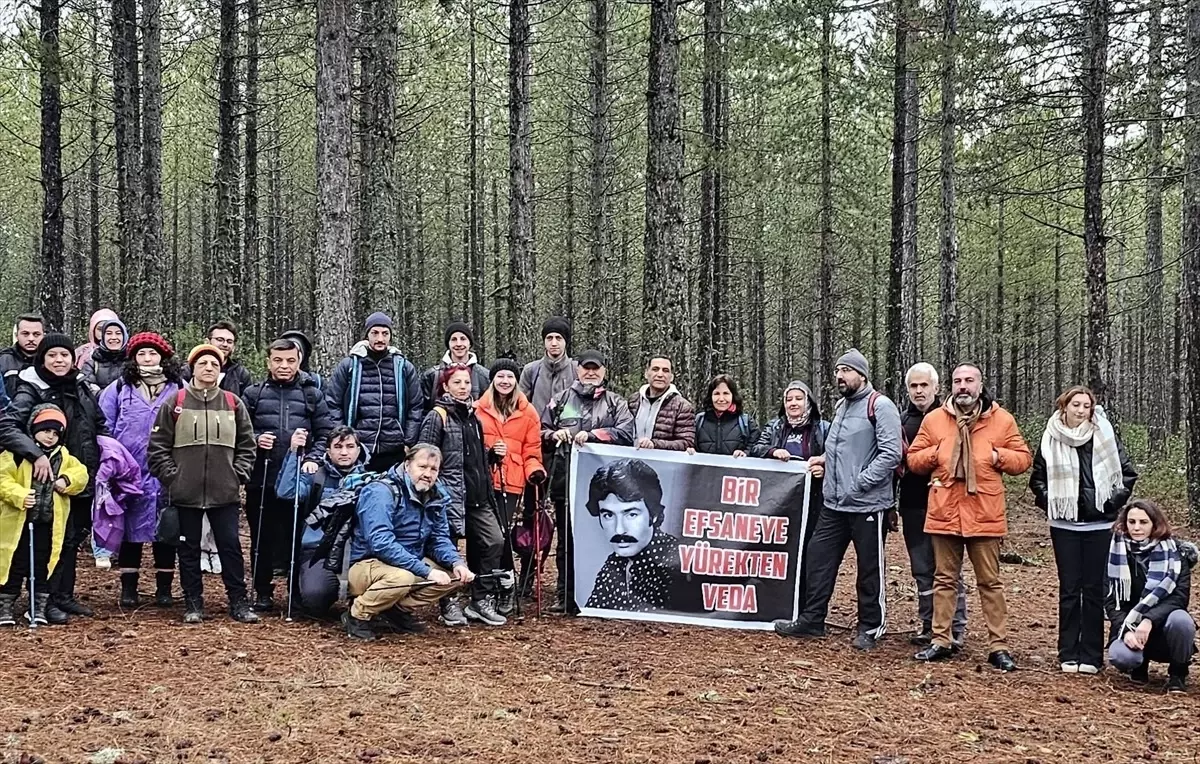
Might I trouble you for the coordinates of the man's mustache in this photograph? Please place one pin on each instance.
(621, 538)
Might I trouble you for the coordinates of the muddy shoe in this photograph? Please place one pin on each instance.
(357, 629)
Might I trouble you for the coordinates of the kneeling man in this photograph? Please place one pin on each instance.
(401, 554)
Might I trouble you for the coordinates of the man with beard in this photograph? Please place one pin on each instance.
(862, 451)
(28, 331)
(642, 574)
(967, 446)
(921, 382)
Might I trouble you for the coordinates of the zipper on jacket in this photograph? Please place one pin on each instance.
(379, 427)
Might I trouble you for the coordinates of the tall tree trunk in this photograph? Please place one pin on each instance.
(1000, 331)
(1191, 257)
(333, 179)
(710, 351)
(94, 165)
(910, 306)
(948, 327)
(251, 268)
(900, 123)
(475, 258)
(522, 285)
(823, 361)
(153, 267)
(665, 292)
(601, 173)
(1095, 67)
(53, 279)
(499, 322)
(1155, 324)
(126, 130)
(227, 299)
(1060, 347)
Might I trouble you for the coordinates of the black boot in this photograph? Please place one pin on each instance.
(923, 637)
(264, 602)
(7, 602)
(1177, 674)
(54, 614)
(356, 629)
(240, 611)
(799, 628)
(72, 606)
(193, 609)
(40, 603)
(162, 590)
(129, 592)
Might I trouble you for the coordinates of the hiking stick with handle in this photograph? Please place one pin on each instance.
(32, 577)
(295, 530)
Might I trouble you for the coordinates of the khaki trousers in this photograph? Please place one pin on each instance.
(377, 586)
(985, 560)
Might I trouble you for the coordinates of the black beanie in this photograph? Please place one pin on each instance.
(557, 325)
(504, 364)
(458, 326)
(50, 341)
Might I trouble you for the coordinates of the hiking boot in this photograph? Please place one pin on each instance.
(264, 602)
(7, 603)
(923, 637)
(864, 642)
(129, 592)
(484, 611)
(1141, 674)
(451, 612)
(1177, 674)
(1002, 660)
(241, 612)
(39, 604)
(958, 640)
(162, 590)
(799, 628)
(397, 620)
(934, 652)
(193, 609)
(357, 629)
(54, 614)
(506, 601)
(72, 606)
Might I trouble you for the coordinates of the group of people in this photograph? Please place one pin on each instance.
(361, 485)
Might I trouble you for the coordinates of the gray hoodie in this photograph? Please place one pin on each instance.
(861, 458)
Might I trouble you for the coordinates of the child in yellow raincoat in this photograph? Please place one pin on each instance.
(35, 512)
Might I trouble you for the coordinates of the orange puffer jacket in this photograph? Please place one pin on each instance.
(522, 432)
(953, 511)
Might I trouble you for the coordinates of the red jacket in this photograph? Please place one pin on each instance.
(522, 432)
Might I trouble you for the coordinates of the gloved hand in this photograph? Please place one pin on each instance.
(538, 477)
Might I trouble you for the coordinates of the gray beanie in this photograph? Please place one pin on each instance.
(855, 360)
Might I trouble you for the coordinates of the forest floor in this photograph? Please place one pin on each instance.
(141, 687)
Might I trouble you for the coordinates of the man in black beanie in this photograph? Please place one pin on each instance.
(460, 340)
(541, 380)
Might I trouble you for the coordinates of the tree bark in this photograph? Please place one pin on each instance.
(251, 267)
(228, 295)
(153, 263)
(910, 307)
(601, 173)
(825, 356)
(896, 322)
(710, 285)
(665, 292)
(1093, 75)
(522, 287)
(52, 276)
(1000, 331)
(94, 166)
(475, 258)
(1156, 394)
(1191, 257)
(126, 93)
(948, 283)
(333, 179)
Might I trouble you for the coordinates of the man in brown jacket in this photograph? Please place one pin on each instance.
(662, 417)
(202, 449)
(966, 447)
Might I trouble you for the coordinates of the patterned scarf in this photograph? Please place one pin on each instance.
(1163, 565)
(962, 465)
(1062, 463)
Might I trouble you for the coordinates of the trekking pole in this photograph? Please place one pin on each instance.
(569, 573)
(262, 509)
(295, 530)
(536, 557)
(505, 520)
(32, 576)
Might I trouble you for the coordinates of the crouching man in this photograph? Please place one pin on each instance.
(401, 554)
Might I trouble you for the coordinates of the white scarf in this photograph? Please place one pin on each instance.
(1062, 463)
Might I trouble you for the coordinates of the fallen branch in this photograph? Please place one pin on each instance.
(301, 685)
(608, 686)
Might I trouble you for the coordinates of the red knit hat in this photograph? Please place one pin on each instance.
(149, 340)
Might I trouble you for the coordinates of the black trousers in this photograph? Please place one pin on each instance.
(130, 556)
(224, 524)
(18, 568)
(1082, 561)
(834, 533)
(508, 504)
(485, 547)
(271, 526)
(78, 531)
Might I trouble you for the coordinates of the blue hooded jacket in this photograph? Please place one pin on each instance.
(397, 529)
(285, 488)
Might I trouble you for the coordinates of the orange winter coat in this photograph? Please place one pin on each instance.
(952, 511)
(522, 431)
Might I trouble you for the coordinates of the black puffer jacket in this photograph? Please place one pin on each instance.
(12, 362)
(453, 427)
(1179, 598)
(85, 420)
(725, 432)
(282, 408)
(103, 368)
(386, 415)
(913, 489)
(1088, 513)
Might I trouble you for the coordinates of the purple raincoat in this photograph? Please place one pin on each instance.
(130, 417)
(118, 493)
